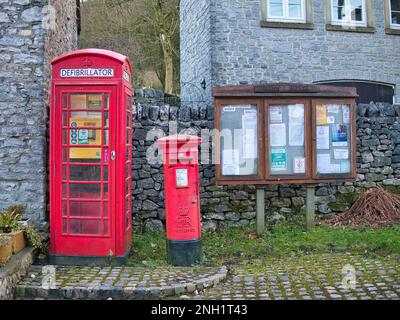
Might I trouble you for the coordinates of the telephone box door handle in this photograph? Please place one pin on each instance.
(113, 155)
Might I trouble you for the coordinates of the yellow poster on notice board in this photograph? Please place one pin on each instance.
(321, 115)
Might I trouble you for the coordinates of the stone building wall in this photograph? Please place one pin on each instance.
(244, 52)
(26, 46)
(195, 42)
(378, 162)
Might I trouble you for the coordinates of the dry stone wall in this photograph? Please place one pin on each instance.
(378, 162)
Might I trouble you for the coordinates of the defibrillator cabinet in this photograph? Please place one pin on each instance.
(90, 157)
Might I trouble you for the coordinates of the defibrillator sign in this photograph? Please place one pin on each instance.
(86, 73)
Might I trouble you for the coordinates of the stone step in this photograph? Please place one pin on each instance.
(119, 283)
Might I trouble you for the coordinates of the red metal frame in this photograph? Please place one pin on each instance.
(113, 236)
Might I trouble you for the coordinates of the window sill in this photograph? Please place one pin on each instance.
(286, 25)
(344, 28)
(392, 31)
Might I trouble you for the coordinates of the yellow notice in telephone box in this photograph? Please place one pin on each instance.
(85, 137)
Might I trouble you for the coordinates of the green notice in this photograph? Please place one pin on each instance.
(278, 159)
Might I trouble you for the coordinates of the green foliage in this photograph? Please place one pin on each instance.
(240, 245)
(34, 238)
(10, 222)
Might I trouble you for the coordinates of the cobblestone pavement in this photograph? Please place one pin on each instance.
(319, 277)
(116, 282)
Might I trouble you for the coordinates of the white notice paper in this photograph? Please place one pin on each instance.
(249, 134)
(296, 134)
(276, 114)
(346, 114)
(341, 154)
(333, 108)
(277, 135)
(230, 162)
(324, 165)
(330, 119)
(299, 165)
(323, 137)
(296, 113)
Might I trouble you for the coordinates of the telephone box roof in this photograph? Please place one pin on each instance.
(93, 52)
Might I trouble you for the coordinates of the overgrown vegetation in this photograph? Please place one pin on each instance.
(147, 31)
(235, 246)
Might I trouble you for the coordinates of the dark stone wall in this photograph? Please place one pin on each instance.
(378, 162)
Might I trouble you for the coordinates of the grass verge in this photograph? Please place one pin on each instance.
(240, 245)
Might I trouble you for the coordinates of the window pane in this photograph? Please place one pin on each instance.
(84, 226)
(86, 101)
(286, 137)
(339, 13)
(295, 11)
(84, 173)
(338, 3)
(356, 7)
(395, 5)
(276, 8)
(395, 18)
(85, 209)
(333, 139)
(88, 191)
(239, 137)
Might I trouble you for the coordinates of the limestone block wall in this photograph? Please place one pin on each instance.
(27, 43)
(378, 163)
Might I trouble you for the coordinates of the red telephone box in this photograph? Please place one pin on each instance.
(90, 157)
(182, 198)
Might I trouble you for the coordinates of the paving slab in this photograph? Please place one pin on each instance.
(317, 277)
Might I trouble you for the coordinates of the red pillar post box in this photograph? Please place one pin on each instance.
(182, 198)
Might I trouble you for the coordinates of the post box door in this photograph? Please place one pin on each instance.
(184, 206)
(83, 160)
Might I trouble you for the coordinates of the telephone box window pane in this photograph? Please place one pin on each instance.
(106, 137)
(86, 101)
(105, 232)
(106, 120)
(333, 132)
(105, 173)
(64, 208)
(239, 137)
(85, 173)
(286, 139)
(64, 226)
(85, 191)
(84, 137)
(85, 119)
(106, 101)
(64, 100)
(105, 191)
(91, 227)
(85, 209)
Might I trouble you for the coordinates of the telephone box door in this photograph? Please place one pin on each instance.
(83, 127)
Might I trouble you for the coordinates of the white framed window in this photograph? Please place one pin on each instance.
(394, 13)
(349, 12)
(286, 11)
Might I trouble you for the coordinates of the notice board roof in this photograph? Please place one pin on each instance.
(285, 89)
